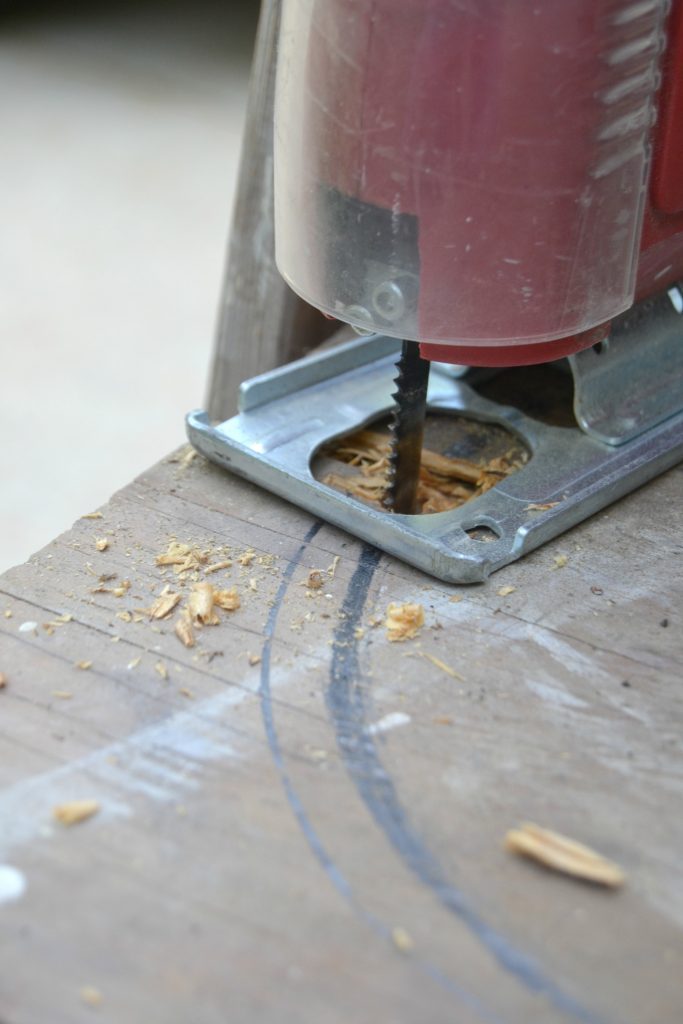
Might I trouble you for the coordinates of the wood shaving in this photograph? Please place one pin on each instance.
(560, 561)
(8, 613)
(200, 605)
(63, 618)
(185, 692)
(134, 663)
(85, 665)
(445, 482)
(91, 996)
(253, 583)
(3, 680)
(62, 694)
(182, 557)
(74, 811)
(541, 506)
(254, 659)
(183, 630)
(556, 851)
(456, 598)
(404, 621)
(92, 515)
(164, 604)
(228, 600)
(122, 589)
(217, 566)
(443, 720)
(124, 616)
(332, 569)
(443, 666)
(161, 669)
(101, 543)
(504, 591)
(402, 940)
(247, 557)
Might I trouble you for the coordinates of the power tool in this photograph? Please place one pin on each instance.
(475, 185)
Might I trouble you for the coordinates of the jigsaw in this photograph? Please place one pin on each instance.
(475, 185)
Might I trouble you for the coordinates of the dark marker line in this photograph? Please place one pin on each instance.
(347, 706)
(336, 877)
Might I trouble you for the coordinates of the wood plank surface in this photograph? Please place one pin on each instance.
(302, 822)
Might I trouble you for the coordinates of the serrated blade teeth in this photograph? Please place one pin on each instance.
(407, 430)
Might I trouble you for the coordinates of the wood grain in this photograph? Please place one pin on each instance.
(264, 828)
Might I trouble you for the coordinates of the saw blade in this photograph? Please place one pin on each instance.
(407, 430)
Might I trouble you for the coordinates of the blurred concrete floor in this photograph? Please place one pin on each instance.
(121, 127)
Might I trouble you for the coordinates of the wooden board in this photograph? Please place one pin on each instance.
(265, 827)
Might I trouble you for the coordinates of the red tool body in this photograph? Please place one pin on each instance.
(497, 180)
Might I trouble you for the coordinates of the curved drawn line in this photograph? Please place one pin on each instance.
(346, 703)
(338, 880)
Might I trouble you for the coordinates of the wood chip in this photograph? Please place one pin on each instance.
(562, 854)
(92, 515)
(332, 569)
(254, 659)
(122, 589)
(74, 811)
(62, 694)
(560, 561)
(101, 543)
(164, 604)
(228, 600)
(8, 613)
(85, 665)
(200, 605)
(186, 692)
(3, 680)
(537, 506)
(504, 591)
(217, 566)
(124, 616)
(402, 940)
(161, 669)
(91, 996)
(247, 557)
(443, 666)
(134, 663)
(183, 630)
(404, 621)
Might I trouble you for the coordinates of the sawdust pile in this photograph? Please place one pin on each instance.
(445, 483)
(404, 621)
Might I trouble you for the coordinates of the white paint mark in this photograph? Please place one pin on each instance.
(555, 695)
(159, 762)
(391, 721)
(28, 627)
(12, 883)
